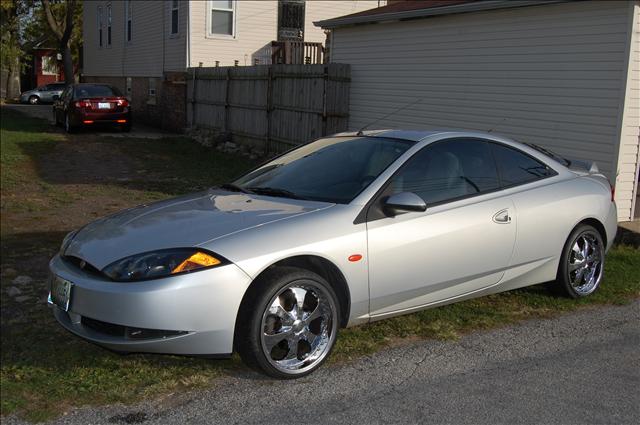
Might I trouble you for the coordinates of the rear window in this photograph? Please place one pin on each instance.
(550, 154)
(516, 168)
(96, 91)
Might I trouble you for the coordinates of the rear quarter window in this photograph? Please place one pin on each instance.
(516, 167)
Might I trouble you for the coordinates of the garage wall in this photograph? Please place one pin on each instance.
(630, 133)
(551, 74)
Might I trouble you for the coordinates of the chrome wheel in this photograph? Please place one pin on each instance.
(586, 263)
(298, 327)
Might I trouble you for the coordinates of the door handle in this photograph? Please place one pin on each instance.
(502, 217)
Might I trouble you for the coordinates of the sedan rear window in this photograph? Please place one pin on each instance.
(96, 91)
(334, 169)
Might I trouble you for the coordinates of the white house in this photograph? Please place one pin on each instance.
(132, 44)
(565, 75)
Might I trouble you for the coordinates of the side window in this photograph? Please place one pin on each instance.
(516, 167)
(448, 170)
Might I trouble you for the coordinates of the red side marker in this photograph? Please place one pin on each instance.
(355, 257)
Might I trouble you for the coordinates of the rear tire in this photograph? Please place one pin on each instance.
(69, 128)
(581, 265)
(287, 323)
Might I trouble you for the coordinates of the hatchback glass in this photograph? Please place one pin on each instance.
(334, 169)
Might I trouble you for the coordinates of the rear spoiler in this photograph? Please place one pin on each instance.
(583, 166)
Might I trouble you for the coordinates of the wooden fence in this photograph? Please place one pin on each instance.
(274, 106)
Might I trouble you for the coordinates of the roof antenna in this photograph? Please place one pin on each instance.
(360, 132)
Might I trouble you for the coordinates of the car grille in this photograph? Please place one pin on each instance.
(127, 332)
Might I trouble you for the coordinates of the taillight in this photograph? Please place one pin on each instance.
(123, 102)
(83, 104)
(613, 192)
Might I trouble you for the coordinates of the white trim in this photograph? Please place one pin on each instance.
(234, 31)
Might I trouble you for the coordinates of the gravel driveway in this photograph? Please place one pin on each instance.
(576, 369)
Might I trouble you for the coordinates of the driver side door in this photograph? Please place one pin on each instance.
(462, 243)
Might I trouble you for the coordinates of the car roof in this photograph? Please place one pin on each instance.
(419, 135)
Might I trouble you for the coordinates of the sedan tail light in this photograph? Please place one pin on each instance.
(123, 102)
(83, 104)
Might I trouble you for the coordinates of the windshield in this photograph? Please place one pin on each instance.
(334, 169)
(96, 91)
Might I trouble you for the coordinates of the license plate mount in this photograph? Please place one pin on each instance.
(104, 105)
(60, 292)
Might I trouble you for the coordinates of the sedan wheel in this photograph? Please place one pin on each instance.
(582, 264)
(293, 326)
(34, 100)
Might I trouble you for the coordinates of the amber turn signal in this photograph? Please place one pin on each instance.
(196, 261)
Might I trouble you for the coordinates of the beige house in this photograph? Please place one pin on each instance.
(564, 75)
(132, 44)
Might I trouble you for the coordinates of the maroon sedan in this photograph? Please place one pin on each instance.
(89, 105)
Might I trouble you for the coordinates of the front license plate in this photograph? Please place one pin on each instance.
(104, 105)
(60, 292)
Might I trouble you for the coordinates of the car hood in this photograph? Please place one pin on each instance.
(186, 221)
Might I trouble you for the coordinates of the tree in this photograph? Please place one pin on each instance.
(11, 52)
(61, 23)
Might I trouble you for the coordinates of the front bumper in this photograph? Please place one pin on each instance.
(197, 310)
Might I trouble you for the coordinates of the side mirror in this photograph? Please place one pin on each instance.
(404, 202)
(55, 97)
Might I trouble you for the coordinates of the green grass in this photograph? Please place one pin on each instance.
(45, 372)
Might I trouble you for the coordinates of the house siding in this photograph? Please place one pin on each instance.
(548, 74)
(256, 27)
(628, 156)
(318, 10)
(151, 51)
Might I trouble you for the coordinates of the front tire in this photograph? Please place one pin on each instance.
(34, 100)
(582, 262)
(288, 323)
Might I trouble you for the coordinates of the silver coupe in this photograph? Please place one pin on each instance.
(339, 232)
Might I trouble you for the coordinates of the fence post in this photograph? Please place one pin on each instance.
(325, 78)
(193, 100)
(267, 148)
(226, 100)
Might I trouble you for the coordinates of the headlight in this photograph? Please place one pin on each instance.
(163, 263)
(66, 241)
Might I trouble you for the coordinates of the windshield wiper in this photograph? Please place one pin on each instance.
(234, 188)
(274, 191)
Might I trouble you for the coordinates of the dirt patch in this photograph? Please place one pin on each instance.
(79, 161)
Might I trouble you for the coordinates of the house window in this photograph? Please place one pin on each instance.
(129, 13)
(152, 91)
(174, 16)
(109, 25)
(222, 20)
(100, 26)
(49, 65)
(128, 87)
